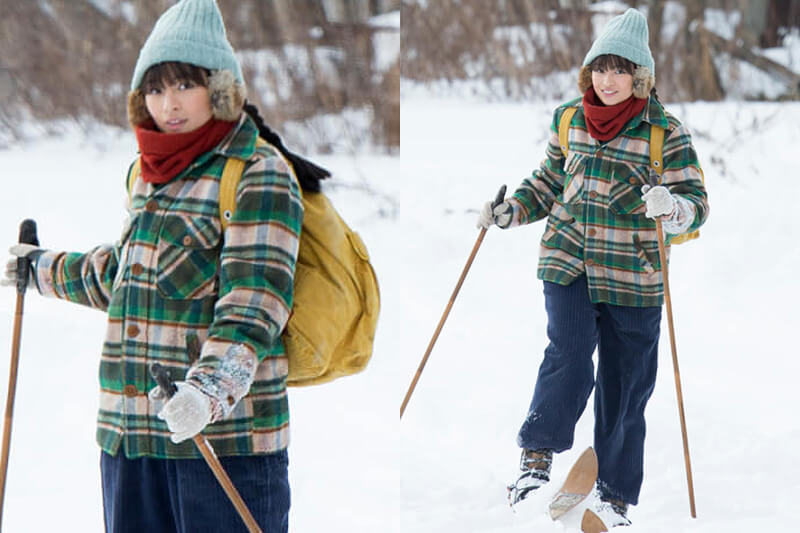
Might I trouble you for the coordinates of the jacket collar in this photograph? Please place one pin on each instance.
(654, 113)
(241, 141)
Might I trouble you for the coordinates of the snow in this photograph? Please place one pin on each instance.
(354, 466)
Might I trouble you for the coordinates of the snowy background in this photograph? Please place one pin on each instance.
(354, 466)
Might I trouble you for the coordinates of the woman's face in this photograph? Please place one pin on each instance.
(612, 86)
(180, 107)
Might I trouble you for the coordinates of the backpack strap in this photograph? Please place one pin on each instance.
(563, 128)
(657, 149)
(231, 174)
(132, 175)
(229, 183)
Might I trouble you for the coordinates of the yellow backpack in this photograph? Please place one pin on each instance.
(331, 330)
(656, 154)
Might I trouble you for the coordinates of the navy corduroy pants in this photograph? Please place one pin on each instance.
(626, 339)
(183, 496)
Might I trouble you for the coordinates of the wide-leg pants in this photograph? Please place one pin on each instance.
(183, 496)
(626, 339)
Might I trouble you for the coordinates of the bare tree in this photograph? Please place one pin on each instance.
(69, 58)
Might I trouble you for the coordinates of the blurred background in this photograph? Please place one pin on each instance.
(323, 72)
(531, 49)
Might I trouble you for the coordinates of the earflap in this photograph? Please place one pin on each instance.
(584, 78)
(643, 82)
(227, 95)
(137, 109)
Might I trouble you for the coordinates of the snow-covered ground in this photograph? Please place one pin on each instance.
(354, 466)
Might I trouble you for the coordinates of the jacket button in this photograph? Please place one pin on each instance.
(592, 232)
(151, 206)
(632, 180)
(589, 262)
(133, 330)
(592, 194)
(137, 269)
(187, 241)
(130, 391)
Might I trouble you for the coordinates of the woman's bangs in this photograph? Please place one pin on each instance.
(169, 73)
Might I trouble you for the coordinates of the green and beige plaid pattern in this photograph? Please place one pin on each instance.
(595, 215)
(174, 279)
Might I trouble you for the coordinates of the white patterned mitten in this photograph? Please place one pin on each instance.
(186, 413)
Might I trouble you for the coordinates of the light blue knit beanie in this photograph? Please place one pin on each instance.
(626, 36)
(191, 31)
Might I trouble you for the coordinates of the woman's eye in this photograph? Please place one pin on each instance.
(185, 85)
(153, 90)
(619, 71)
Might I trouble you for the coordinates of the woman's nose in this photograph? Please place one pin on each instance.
(170, 100)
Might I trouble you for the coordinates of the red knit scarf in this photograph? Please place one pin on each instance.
(165, 155)
(605, 122)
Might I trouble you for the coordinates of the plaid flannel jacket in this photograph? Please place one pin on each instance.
(595, 215)
(205, 305)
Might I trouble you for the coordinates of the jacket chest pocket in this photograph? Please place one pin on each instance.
(625, 196)
(188, 256)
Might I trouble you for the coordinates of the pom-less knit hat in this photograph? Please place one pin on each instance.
(192, 31)
(626, 36)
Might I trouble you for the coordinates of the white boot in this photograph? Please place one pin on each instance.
(535, 467)
(603, 514)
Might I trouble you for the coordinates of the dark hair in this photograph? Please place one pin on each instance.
(163, 74)
(612, 62)
(308, 174)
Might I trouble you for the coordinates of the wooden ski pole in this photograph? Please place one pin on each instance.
(27, 235)
(662, 254)
(162, 377)
(497, 201)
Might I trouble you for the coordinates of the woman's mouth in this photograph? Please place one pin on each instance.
(175, 124)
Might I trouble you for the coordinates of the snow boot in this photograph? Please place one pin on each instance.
(535, 467)
(604, 514)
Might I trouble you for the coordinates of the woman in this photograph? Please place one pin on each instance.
(599, 262)
(210, 306)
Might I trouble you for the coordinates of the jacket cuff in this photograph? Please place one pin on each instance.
(227, 380)
(516, 212)
(43, 272)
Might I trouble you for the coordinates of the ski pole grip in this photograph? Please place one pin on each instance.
(501, 195)
(27, 235)
(164, 380)
(27, 232)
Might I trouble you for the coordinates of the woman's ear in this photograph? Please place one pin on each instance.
(643, 81)
(137, 108)
(584, 78)
(227, 96)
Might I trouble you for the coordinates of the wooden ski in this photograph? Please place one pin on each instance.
(591, 523)
(577, 486)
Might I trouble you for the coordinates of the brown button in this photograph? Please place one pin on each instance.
(137, 269)
(592, 232)
(231, 400)
(589, 262)
(593, 194)
(130, 391)
(133, 330)
(151, 206)
(632, 180)
(187, 241)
